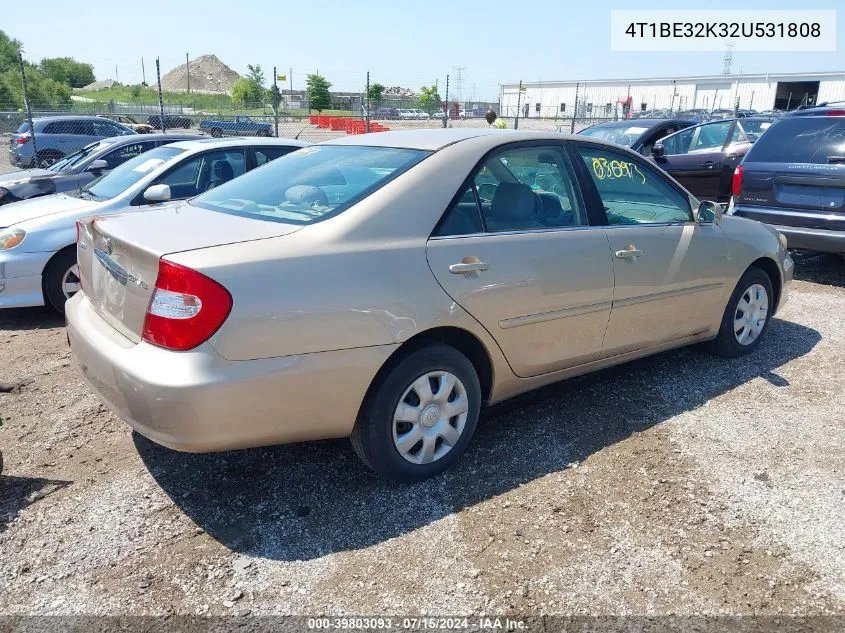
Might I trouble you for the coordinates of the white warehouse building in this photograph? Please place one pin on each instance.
(605, 98)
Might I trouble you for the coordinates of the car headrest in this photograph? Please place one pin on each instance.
(551, 208)
(221, 170)
(513, 201)
(306, 194)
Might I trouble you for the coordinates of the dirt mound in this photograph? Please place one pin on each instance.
(207, 74)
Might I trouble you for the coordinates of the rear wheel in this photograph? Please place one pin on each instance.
(746, 316)
(61, 279)
(47, 158)
(420, 418)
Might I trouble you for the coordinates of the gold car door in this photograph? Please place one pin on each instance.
(516, 252)
(670, 271)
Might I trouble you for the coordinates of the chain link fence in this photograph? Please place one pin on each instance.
(45, 123)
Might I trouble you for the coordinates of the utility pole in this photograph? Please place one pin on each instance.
(446, 114)
(143, 73)
(728, 59)
(116, 76)
(575, 110)
(276, 107)
(367, 119)
(160, 100)
(188, 71)
(28, 108)
(290, 78)
(518, 105)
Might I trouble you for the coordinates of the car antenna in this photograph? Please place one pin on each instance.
(296, 138)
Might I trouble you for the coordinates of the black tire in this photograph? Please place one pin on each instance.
(216, 132)
(54, 275)
(372, 436)
(726, 343)
(47, 158)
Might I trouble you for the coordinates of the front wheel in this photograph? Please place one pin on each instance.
(420, 418)
(746, 316)
(61, 279)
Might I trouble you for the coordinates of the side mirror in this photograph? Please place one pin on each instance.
(658, 150)
(708, 213)
(98, 165)
(157, 193)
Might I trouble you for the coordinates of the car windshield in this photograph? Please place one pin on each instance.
(624, 134)
(310, 184)
(124, 176)
(77, 157)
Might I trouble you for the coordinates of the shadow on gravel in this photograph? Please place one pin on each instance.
(307, 500)
(30, 319)
(16, 493)
(828, 270)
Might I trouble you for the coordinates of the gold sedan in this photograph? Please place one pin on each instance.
(386, 287)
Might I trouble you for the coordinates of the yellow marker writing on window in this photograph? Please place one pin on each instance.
(613, 169)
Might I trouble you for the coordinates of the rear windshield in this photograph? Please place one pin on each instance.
(124, 176)
(819, 140)
(626, 134)
(310, 184)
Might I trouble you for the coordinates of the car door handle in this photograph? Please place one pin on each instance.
(710, 164)
(468, 268)
(629, 253)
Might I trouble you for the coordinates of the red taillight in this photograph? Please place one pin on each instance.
(22, 140)
(736, 184)
(186, 308)
(835, 113)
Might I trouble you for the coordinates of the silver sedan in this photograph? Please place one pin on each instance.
(386, 287)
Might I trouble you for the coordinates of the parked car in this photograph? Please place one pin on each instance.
(651, 114)
(640, 136)
(169, 121)
(58, 136)
(827, 108)
(698, 115)
(387, 113)
(238, 126)
(130, 122)
(37, 254)
(81, 167)
(411, 114)
(794, 179)
(702, 158)
(332, 294)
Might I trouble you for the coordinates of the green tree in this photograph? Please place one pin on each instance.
(430, 99)
(275, 97)
(255, 74)
(376, 93)
(247, 91)
(135, 92)
(319, 97)
(66, 70)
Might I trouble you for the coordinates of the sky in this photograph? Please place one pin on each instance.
(406, 43)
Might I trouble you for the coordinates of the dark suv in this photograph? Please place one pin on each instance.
(794, 179)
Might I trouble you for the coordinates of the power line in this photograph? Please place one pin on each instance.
(459, 80)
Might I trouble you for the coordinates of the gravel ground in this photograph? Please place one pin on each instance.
(682, 483)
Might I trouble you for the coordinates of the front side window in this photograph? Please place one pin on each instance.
(310, 184)
(124, 176)
(522, 189)
(203, 172)
(678, 143)
(711, 137)
(633, 193)
(266, 154)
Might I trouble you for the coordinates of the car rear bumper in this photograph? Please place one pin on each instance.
(197, 401)
(20, 278)
(799, 237)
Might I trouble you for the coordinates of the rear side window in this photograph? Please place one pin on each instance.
(23, 128)
(264, 155)
(815, 140)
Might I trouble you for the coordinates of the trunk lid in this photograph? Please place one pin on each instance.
(119, 255)
(797, 166)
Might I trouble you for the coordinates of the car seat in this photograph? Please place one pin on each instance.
(221, 171)
(513, 208)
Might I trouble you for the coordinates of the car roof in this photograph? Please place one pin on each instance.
(641, 122)
(129, 139)
(438, 138)
(237, 141)
(66, 117)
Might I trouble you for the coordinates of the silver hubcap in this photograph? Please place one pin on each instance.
(751, 313)
(430, 417)
(70, 282)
